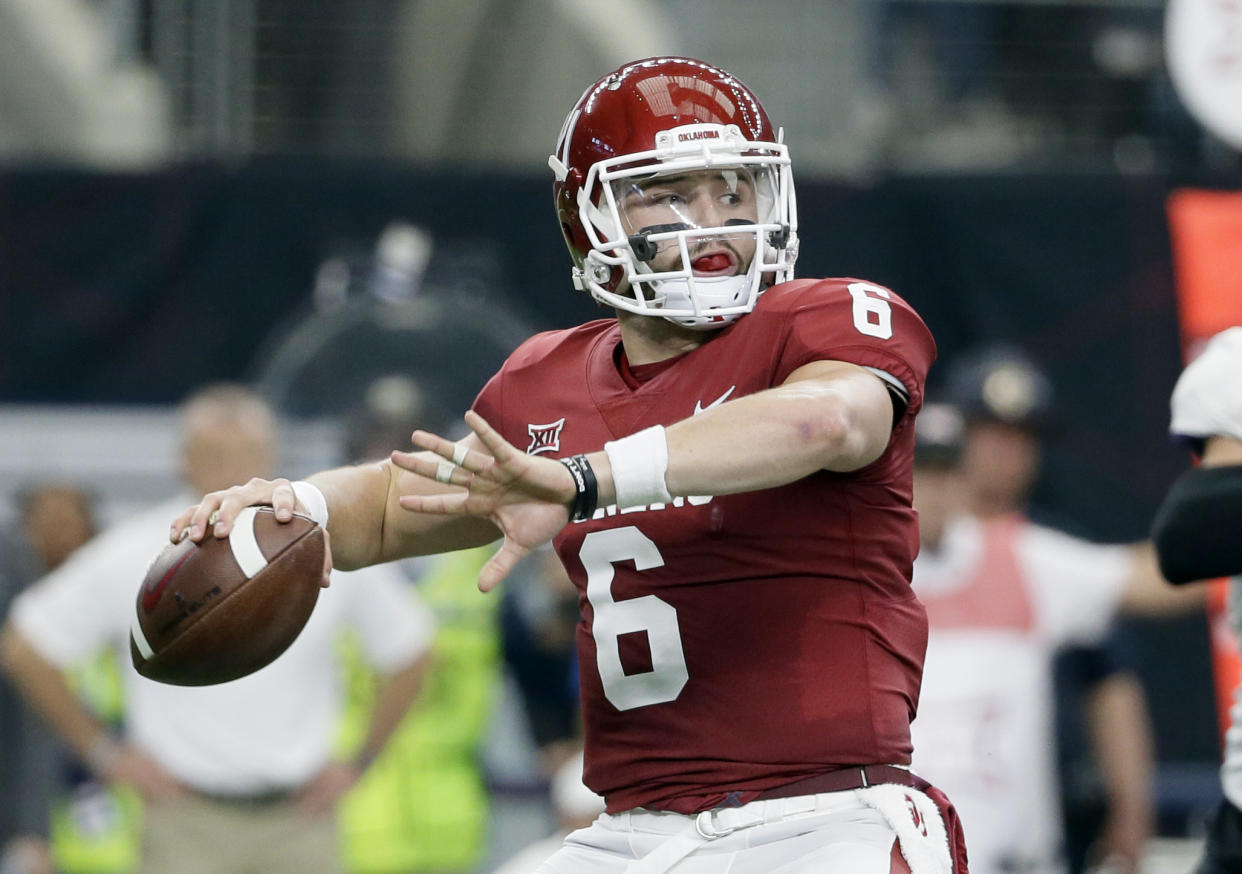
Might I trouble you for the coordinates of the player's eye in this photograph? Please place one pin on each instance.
(664, 198)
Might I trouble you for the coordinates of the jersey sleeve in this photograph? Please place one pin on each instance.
(490, 401)
(1207, 399)
(864, 324)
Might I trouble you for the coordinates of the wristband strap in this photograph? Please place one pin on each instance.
(313, 501)
(639, 463)
(583, 507)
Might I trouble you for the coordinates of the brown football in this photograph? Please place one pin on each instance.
(214, 611)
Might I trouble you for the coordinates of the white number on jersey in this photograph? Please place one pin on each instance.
(668, 674)
(872, 315)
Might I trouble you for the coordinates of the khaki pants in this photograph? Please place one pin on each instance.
(198, 835)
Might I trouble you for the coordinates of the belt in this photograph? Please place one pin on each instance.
(840, 780)
(709, 825)
(250, 799)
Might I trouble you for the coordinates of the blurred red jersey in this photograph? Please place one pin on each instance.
(732, 644)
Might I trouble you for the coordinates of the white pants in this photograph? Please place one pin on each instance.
(831, 833)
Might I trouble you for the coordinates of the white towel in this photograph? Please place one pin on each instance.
(916, 819)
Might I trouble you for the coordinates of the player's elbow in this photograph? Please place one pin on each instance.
(843, 435)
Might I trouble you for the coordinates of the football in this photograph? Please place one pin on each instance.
(214, 611)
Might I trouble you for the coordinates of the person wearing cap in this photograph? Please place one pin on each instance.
(1004, 596)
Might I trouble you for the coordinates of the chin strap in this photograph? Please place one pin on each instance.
(710, 292)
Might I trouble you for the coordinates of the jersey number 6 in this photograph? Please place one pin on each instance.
(872, 314)
(668, 674)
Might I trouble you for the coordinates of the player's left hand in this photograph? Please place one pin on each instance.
(525, 496)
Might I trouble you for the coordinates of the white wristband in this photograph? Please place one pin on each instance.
(312, 501)
(639, 463)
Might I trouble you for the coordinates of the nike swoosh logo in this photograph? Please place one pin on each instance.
(151, 596)
(698, 405)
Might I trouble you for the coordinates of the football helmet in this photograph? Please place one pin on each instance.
(675, 197)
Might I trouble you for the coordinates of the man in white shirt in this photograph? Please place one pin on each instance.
(1003, 595)
(239, 777)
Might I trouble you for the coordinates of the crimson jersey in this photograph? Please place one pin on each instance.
(735, 643)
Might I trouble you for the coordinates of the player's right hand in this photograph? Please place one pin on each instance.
(218, 510)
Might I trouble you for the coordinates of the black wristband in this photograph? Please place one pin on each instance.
(583, 507)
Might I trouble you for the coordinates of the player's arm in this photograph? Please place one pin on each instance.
(828, 415)
(366, 524)
(1198, 528)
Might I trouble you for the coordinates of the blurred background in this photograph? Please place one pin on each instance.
(347, 205)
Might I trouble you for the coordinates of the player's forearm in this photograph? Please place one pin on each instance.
(43, 686)
(356, 498)
(368, 526)
(772, 438)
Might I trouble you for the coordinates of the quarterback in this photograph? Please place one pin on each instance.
(724, 468)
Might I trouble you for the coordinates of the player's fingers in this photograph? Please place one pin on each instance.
(327, 560)
(439, 469)
(284, 500)
(257, 491)
(203, 515)
(500, 448)
(445, 504)
(180, 528)
(499, 565)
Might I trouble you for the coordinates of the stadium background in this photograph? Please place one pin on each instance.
(309, 195)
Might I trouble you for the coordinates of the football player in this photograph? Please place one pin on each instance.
(1197, 537)
(724, 469)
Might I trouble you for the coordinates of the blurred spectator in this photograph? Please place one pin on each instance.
(53, 520)
(250, 760)
(392, 407)
(576, 807)
(1004, 595)
(464, 70)
(65, 95)
(971, 84)
(424, 805)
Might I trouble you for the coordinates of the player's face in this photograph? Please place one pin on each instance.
(701, 199)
